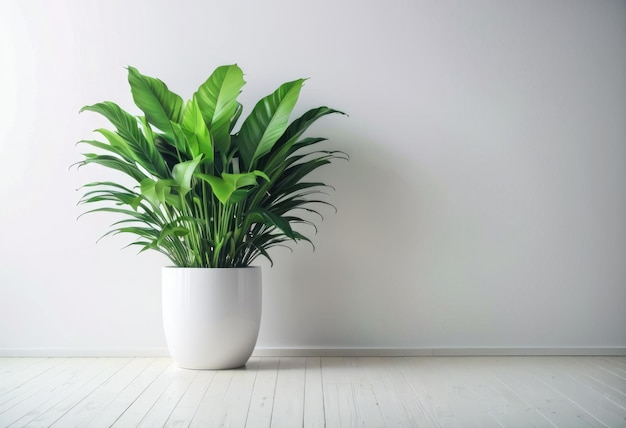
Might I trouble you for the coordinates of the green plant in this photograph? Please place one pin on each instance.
(206, 196)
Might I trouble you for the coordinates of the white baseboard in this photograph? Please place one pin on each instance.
(70, 352)
(436, 352)
(331, 352)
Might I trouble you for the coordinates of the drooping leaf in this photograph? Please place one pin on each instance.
(118, 144)
(294, 131)
(113, 162)
(261, 215)
(124, 122)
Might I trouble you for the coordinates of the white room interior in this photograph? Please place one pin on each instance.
(483, 207)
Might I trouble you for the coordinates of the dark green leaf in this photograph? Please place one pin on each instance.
(267, 122)
(152, 96)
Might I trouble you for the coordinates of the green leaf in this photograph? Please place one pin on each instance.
(156, 192)
(118, 144)
(224, 187)
(183, 173)
(235, 118)
(260, 215)
(113, 162)
(143, 150)
(217, 99)
(183, 150)
(124, 122)
(244, 179)
(221, 189)
(160, 105)
(300, 125)
(267, 122)
(196, 131)
(172, 231)
(102, 146)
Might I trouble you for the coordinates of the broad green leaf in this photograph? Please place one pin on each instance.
(235, 118)
(224, 187)
(152, 96)
(220, 187)
(267, 122)
(217, 99)
(183, 173)
(196, 131)
(244, 179)
(156, 192)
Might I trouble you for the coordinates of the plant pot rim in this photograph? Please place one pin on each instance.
(211, 268)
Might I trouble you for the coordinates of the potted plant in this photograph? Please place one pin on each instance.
(212, 197)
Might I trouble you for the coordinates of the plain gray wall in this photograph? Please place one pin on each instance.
(484, 204)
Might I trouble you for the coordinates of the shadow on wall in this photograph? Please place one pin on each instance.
(367, 254)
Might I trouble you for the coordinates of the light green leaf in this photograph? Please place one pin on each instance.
(195, 130)
(183, 173)
(224, 187)
(217, 99)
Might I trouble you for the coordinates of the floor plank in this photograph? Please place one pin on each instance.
(506, 406)
(400, 403)
(34, 398)
(134, 414)
(227, 399)
(128, 394)
(78, 389)
(316, 392)
(160, 412)
(552, 406)
(262, 400)
(84, 411)
(556, 374)
(23, 374)
(313, 393)
(186, 408)
(288, 408)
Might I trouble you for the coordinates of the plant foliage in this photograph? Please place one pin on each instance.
(205, 195)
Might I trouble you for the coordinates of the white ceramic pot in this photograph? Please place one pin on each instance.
(211, 317)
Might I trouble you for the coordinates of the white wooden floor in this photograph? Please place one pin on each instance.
(316, 392)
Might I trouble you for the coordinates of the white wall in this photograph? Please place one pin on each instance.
(484, 204)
